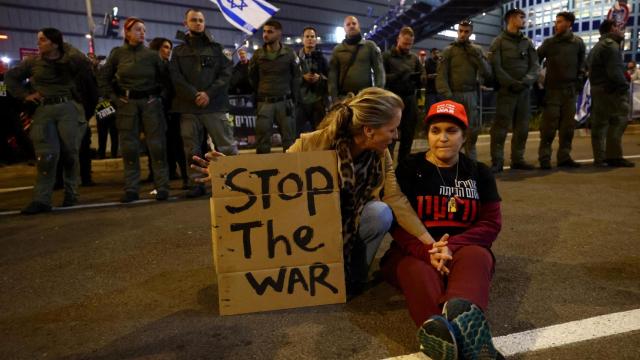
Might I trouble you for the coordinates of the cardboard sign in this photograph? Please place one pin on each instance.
(276, 231)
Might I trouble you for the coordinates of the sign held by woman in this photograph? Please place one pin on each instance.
(277, 240)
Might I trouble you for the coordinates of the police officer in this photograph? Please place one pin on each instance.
(58, 122)
(431, 67)
(313, 92)
(565, 54)
(515, 66)
(352, 62)
(201, 74)
(404, 75)
(274, 71)
(609, 96)
(240, 84)
(462, 64)
(134, 77)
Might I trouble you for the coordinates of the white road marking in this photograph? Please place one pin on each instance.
(8, 190)
(590, 160)
(561, 334)
(91, 206)
(113, 204)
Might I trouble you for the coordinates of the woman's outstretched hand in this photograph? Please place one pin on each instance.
(202, 165)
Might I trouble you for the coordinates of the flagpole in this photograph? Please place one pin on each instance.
(91, 24)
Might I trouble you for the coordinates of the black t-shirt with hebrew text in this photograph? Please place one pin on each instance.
(420, 182)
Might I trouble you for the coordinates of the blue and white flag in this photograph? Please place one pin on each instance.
(246, 15)
(583, 104)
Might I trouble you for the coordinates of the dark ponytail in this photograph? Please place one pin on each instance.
(55, 36)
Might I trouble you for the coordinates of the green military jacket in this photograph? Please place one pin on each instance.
(50, 78)
(275, 74)
(514, 60)
(199, 65)
(461, 66)
(606, 69)
(404, 73)
(358, 76)
(565, 54)
(133, 68)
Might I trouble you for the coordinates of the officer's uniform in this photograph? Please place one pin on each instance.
(404, 74)
(313, 97)
(610, 99)
(199, 65)
(58, 122)
(564, 76)
(343, 80)
(276, 78)
(457, 80)
(431, 68)
(138, 74)
(515, 66)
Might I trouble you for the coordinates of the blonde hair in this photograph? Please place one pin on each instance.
(373, 107)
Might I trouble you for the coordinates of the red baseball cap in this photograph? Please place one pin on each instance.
(448, 110)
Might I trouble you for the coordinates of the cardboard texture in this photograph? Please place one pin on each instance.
(277, 217)
(238, 296)
(308, 238)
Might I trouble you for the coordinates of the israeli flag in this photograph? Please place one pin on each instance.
(246, 15)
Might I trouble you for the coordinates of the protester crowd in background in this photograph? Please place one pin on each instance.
(172, 103)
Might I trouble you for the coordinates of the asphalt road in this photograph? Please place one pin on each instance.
(137, 281)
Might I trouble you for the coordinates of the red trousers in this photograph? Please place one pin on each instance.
(425, 290)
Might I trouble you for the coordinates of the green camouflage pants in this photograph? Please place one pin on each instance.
(143, 115)
(608, 121)
(511, 110)
(558, 115)
(282, 112)
(56, 130)
(470, 101)
(194, 128)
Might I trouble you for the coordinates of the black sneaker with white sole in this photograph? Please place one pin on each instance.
(471, 330)
(437, 340)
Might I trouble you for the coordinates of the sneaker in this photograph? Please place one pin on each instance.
(570, 163)
(437, 340)
(471, 329)
(496, 168)
(35, 207)
(162, 195)
(69, 200)
(196, 191)
(621, 162)
(521, 165)
(599, 164)
(545, 165)
(129, 196)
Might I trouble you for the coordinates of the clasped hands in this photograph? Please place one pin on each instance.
(440, 254)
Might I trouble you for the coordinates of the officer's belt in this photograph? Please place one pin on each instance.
(53, 100)
(134, 94)
(273, 99)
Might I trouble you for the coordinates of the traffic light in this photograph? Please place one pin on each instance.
(113, 27)
(112, 23)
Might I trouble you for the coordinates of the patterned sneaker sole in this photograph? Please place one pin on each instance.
(471, 330)
(437, 340)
